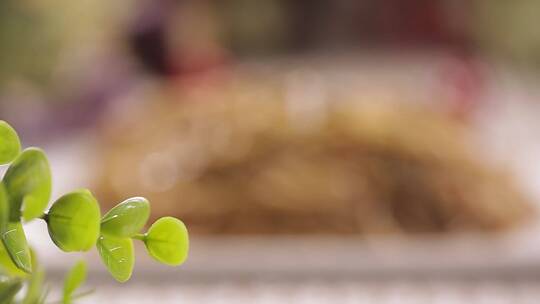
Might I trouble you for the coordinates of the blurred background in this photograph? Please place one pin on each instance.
(319, 151)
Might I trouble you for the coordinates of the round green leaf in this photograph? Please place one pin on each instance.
(167, 241)
(28, 184)
(117, 255)
(127, 218)
(10, 146)
(73, 221)
(15, 243)
(74, 279)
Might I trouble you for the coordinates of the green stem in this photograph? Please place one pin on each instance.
(83, 294)
(77, 296)
(140, 237)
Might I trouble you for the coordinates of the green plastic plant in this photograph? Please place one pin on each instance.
(74, 223)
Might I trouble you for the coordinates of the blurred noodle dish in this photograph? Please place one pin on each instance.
(241, 158)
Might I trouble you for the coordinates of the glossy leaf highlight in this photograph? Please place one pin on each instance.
(17, 247)
(127, 218)
(6, 264)
(117, 255)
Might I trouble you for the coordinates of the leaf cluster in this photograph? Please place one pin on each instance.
(74, 223)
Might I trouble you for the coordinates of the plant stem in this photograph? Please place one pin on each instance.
(140, 237)
(83, 294)
(77, 296)
(45, 217)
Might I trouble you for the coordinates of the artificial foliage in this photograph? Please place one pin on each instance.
(74, 223)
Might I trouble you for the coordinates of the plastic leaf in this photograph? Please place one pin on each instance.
(117, 255)
(73, 221)
(9, 289)
(10, 145)
(4, 208)
(17, 247)
(6, 264)
(28, 184)
(74, 279)
(127, 218)
(167, 241)
(34, 292)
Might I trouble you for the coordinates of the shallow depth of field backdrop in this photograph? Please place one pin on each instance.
(319, 151)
